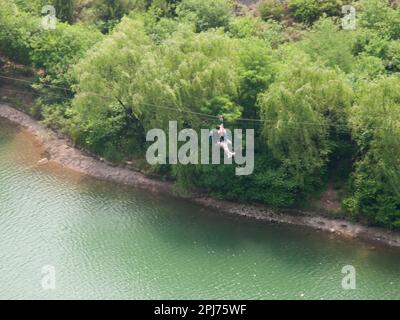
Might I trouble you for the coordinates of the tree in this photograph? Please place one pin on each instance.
(206, 14)
(253, 27)
(329, 45)
(377, 15)
(16, 30)
(376, 122)
(298, 109)
(64, 10)
(273, 9)
(187, 72)
(309, 11)
(257, 73)
(56, 51)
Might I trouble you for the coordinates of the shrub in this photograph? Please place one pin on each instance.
(378, 16)
(256, 71)
(16, 29)
(273, 9)
(392, 60)
(370, 42)
(64, 10)
(298, 108)
(190, 71)
(33, 7)
(270, 183)
(368, 67)
(308, 11)
(330, 45)
(206, 14)
(158, 27)
(248, 27)
(376, 123)
(58, 49)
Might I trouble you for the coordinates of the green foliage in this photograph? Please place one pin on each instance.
(106, 14)
(329, 99)
(250, 27)
(55, 115)
(186, 72)
(377, 15)
(103, 123)
(330, 45)
(376, 122)
(33, 7)
(371, 43)
(16, 29)
(269, 184)
(257, 72)
(308, 11)
(167, 8)
(206, 14)
(297, 110)
(368, 67)
(58, 49)
(392, 60)
(158, 27)
(116, 9)
(64, 10)
(273, 9)
(23, 40)
(195, 72)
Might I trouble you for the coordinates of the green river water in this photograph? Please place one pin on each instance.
(110, 241)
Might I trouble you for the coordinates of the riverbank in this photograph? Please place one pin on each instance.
(61, 151)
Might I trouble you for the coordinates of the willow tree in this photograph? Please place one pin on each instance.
(148, 84)
(301, 111)
(202, 75)
(201, 72)
(376, 123)
(105, 121)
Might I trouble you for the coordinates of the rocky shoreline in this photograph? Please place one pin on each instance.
(61, 151)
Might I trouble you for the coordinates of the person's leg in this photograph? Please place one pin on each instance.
(228, 153)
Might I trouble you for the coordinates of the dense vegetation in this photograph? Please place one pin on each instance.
(328, 99)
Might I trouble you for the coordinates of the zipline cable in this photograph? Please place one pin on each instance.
(37, 94)
(112, 98)
(255, 121)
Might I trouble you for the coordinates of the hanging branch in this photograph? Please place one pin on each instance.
(127, 111)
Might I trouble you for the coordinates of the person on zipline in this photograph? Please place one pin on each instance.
(220, 138)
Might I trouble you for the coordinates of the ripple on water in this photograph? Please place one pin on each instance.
(109, 241)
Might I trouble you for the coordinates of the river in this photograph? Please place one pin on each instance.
(110, 241)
